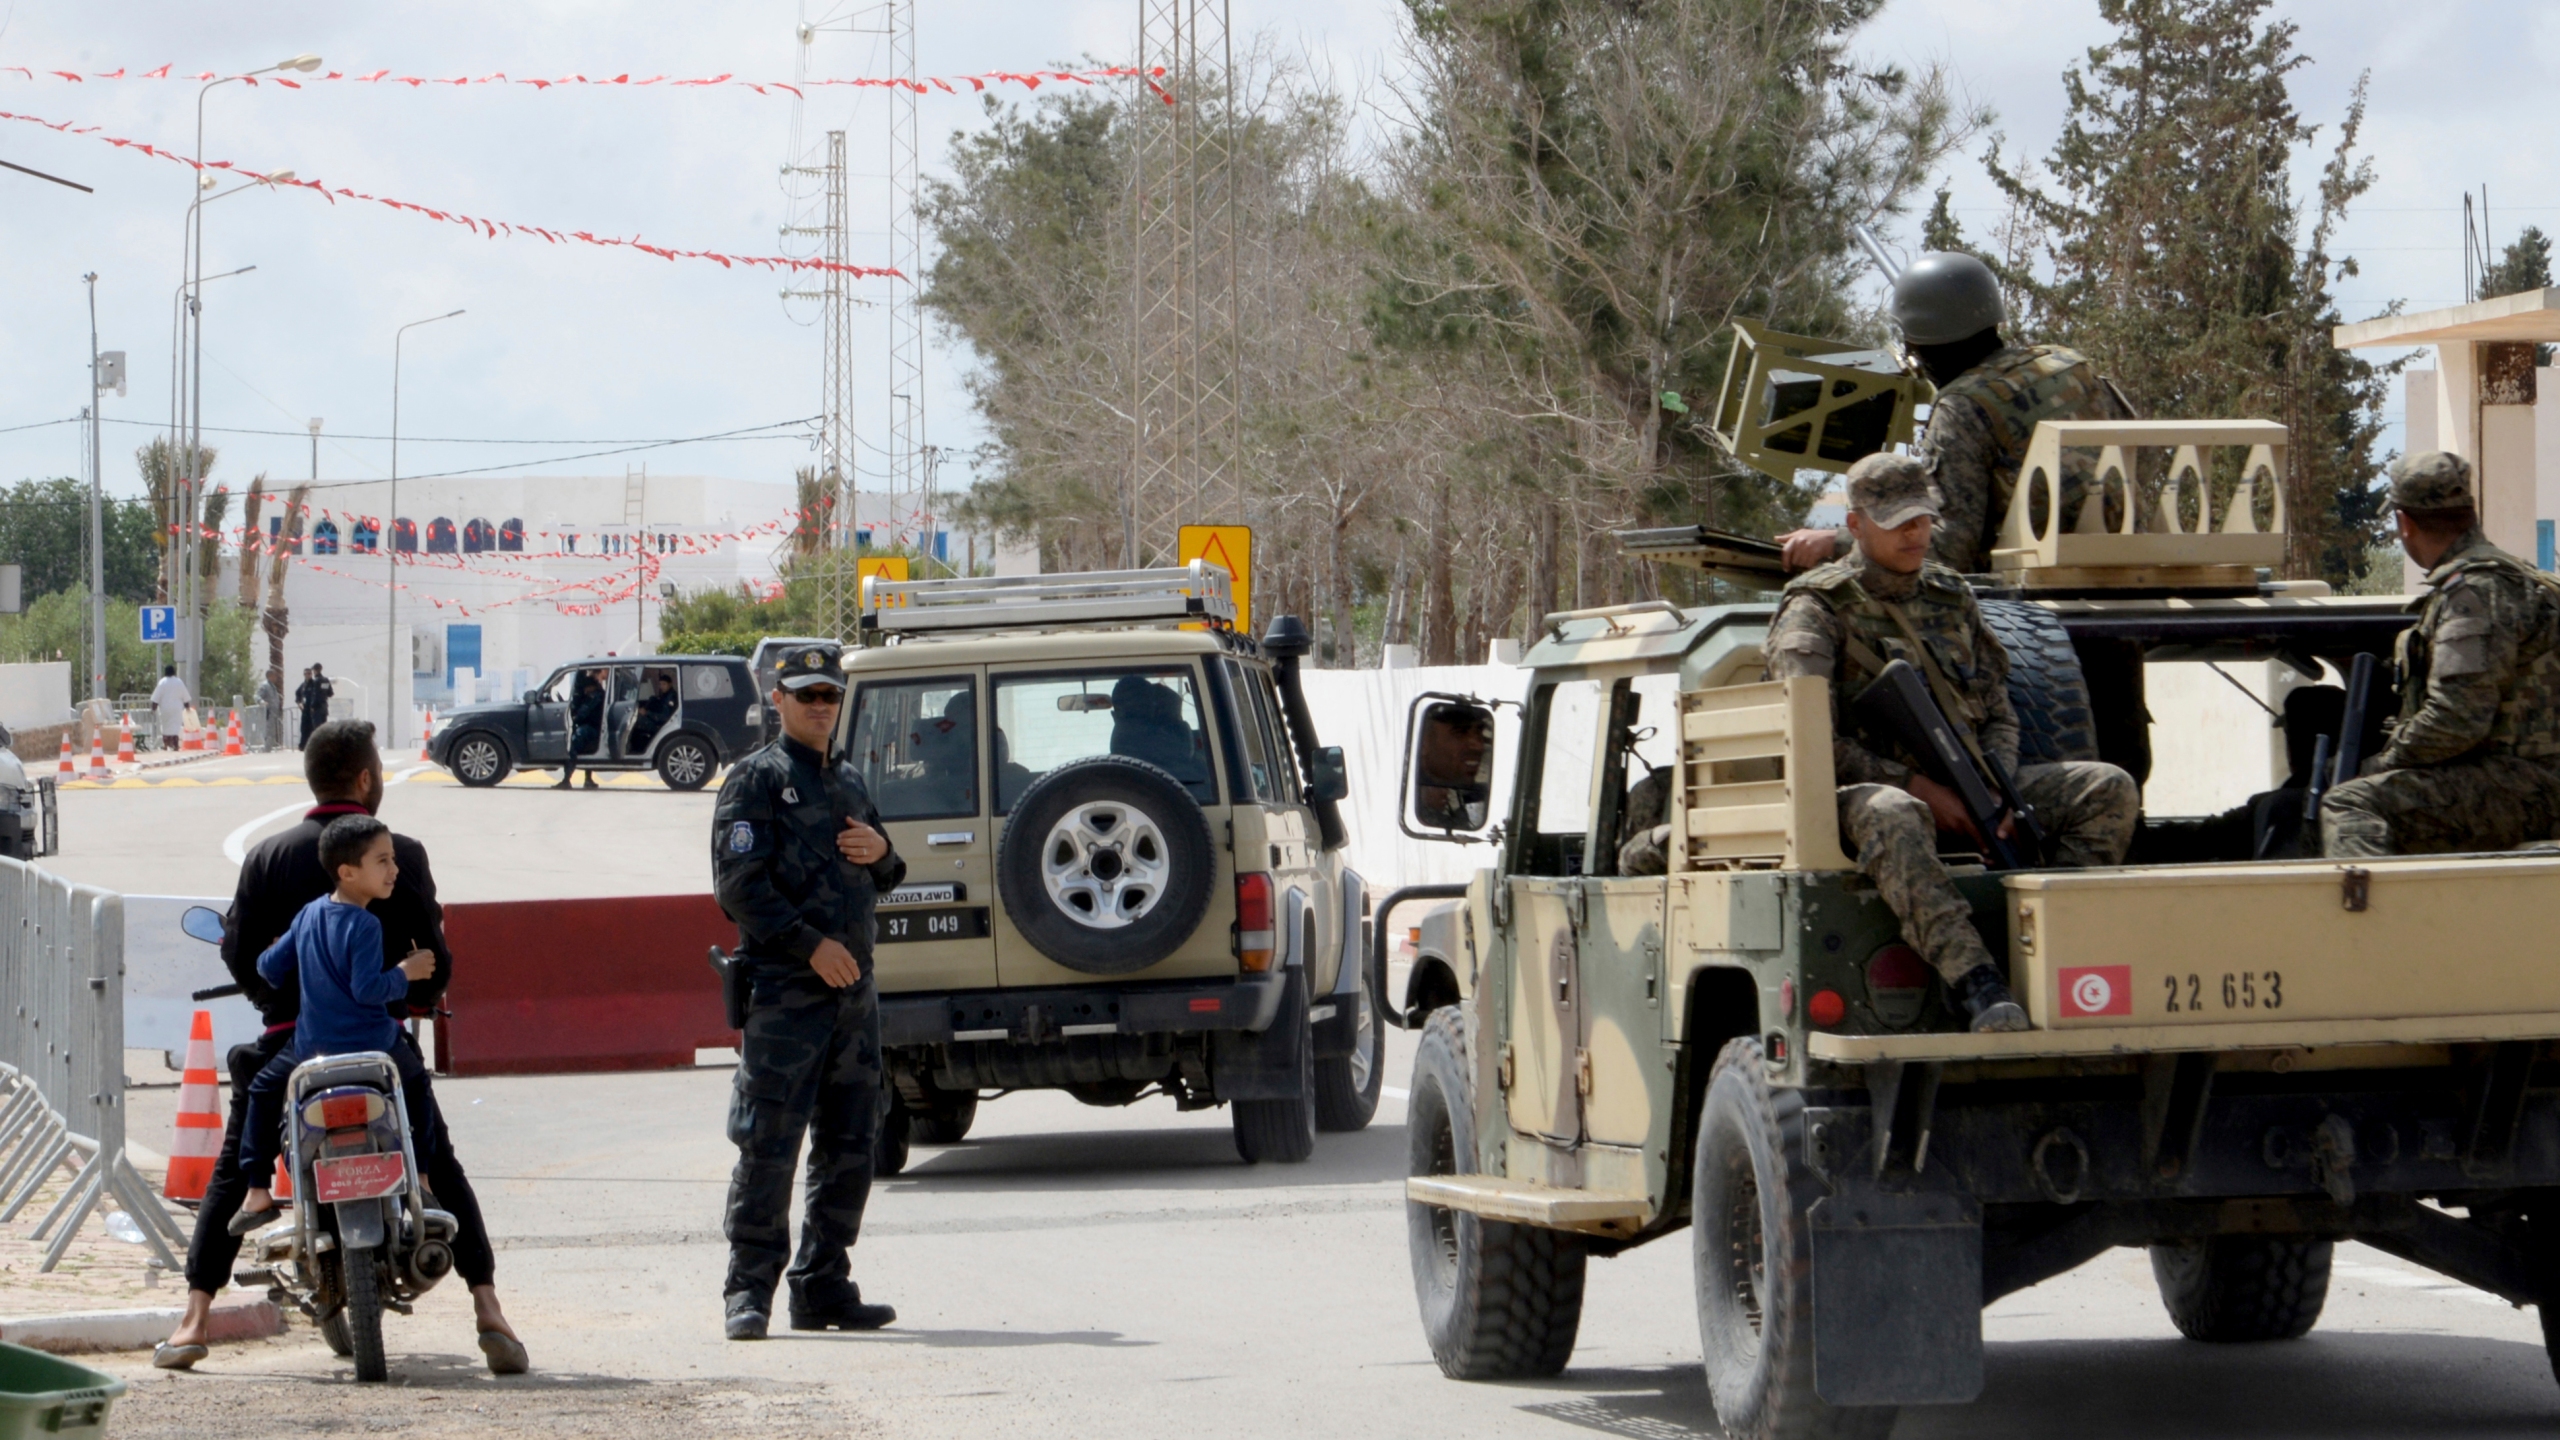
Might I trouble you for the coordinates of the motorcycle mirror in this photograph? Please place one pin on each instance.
(201, 922)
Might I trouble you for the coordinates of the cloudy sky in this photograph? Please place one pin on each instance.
(607, 348)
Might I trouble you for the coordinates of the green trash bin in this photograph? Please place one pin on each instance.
(46, 1395)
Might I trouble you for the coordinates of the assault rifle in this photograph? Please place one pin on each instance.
(2351, 728)
(1899, 704)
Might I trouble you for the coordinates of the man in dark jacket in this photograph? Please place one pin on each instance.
(281, 874)
(313, 696)
(798, 860)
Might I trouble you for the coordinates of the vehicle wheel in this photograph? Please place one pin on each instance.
(1753, 1248)
(687, 763)
(1105, 865)
(364, 1314)
(1284, 1130)
(1499, 1302)
(2046, 686)
(891, 1141)
(334, 1330)
(946, 1118)
(480, 759)
(1347, 1086)
(2238, 1288)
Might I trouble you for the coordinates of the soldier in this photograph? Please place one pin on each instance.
(1990, 396)
(1845, 621)
(798, 861)
(2473, 761)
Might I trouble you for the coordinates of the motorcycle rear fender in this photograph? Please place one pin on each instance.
(362, 1224)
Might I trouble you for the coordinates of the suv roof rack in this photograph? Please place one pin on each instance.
(1197, 593)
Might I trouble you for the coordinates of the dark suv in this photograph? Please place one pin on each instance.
(683, 716)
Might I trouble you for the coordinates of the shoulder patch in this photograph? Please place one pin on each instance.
(742, 837)
(790, 796)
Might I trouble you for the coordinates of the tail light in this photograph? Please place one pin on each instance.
(338, 1109)
(1254, 922)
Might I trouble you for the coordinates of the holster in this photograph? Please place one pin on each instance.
(735, 984)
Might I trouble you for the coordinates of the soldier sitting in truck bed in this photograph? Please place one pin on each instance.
(1845, 621)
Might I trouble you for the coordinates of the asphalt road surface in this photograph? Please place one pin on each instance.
(1079, 1272)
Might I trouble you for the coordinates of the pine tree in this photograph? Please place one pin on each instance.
(2181, 260)
(1940, 230)
(2526, 265)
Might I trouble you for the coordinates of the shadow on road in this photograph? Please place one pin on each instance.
(977, 1339)
(2336, 1387)
(1197, 1158)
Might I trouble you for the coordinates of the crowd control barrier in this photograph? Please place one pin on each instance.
(62, 1059)
(547, 986)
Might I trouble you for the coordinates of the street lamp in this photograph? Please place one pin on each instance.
(191, 634)
(388, 537)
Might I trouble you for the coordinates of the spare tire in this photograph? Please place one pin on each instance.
(1105, 865)
(2046, 686)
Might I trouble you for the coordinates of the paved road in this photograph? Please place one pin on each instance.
(1072, 1271)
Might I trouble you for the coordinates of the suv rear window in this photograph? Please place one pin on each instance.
(1149, 713)
(916, 743)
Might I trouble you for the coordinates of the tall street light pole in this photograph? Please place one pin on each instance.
(390, 538)
(191, 630)
(98, 387)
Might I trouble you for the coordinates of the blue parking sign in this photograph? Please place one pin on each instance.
(159, 624)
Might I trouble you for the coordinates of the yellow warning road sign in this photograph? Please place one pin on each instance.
(887, 567)
(1230, 548)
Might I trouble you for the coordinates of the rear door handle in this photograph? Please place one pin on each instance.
(951, 837)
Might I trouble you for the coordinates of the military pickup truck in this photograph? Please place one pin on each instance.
(2236, 1061)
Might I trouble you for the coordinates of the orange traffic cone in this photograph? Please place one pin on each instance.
(124, 741)
(426, 738)
(198, 1141)
(231, 737)
(97, 752)
(67, 771)
(193, 735)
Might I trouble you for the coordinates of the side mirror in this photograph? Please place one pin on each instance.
(1448, 792)
(1329, 779)
(202, 923)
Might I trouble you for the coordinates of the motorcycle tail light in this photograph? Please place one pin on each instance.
(1254, 925)
(338, 1109)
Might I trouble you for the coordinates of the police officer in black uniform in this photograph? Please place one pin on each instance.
(798, 860)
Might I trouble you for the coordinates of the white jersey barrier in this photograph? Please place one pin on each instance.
(62, 1058)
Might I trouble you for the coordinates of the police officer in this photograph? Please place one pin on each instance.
(1991, 394)
(798, 860)
(1889, 601)
(2473, 760)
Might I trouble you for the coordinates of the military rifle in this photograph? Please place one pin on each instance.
(2351, 728)
(1898, 703)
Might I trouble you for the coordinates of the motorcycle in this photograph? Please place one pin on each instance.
(362, 1238)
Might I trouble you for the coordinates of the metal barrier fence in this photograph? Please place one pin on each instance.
(62, 1059)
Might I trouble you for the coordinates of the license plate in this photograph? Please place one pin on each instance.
(961, 922)
(357, 1177)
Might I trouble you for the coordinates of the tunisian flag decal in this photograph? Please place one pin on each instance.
(2095, 990)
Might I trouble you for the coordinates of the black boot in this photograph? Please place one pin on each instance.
(839, 1310)
(1985, 997)
(748, 1317)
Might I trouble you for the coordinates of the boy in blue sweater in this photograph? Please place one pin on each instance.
(336, 946)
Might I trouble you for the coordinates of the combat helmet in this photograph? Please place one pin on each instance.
(1945, 296)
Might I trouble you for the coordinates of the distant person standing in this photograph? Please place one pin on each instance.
(170, 699)
(313, 696)
(271, 710)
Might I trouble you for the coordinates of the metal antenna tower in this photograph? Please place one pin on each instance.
(1186, 448)
(911, 498)
(835, 384)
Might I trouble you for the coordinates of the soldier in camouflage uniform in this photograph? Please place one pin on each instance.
(2473, 761)
(798, 860)
(1845, 621)
(1991, 395)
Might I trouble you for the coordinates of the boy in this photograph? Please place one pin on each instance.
(335, 950)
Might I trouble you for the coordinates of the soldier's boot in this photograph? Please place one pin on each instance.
(1985, 997)
(838, 1310)
(748, 1317)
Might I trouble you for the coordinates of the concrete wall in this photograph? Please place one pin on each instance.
(35, 694)
(2212, 746)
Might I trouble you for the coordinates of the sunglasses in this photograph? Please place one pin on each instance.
(816, 697)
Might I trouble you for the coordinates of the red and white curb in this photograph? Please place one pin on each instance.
(236, 1317)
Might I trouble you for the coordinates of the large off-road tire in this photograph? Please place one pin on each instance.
(1347, 1086)
(687, 762)
(2239, 1288)
(1753, 1247)
(364, 1313)
(1284, 1130)
(480, 759)
(1499, 1302)
(946, 1117)
(2046, 686)
(1106, 865)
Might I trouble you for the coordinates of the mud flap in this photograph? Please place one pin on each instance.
(360, 1225)
(1270, 1064)
(1897, 1298)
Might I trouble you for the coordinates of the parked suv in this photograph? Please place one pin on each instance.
(1124, 862)
(683, 716)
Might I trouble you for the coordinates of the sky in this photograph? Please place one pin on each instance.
(600, 349)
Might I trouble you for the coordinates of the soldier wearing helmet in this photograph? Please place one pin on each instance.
(2473, 759)
(1990, 396)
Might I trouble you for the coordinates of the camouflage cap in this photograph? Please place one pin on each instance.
(1890, 490)
(2430, 480)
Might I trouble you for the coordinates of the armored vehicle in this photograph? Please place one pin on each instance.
(2236, 1061)
(1124, 858)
